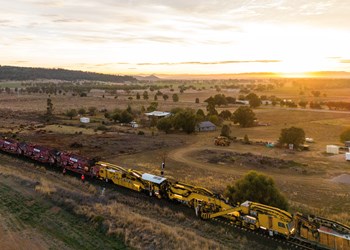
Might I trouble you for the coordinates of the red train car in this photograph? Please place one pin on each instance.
(38, 153)
(76, 163)
(9, 145)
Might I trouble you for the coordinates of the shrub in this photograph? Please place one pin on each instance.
(345, 135)
(256, 187)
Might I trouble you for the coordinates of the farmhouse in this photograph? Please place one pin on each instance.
(205, 126)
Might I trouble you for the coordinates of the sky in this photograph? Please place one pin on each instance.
(176, 36)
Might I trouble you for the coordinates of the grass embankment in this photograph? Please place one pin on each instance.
(51, 221)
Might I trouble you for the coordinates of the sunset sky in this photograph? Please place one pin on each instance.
(177, 36)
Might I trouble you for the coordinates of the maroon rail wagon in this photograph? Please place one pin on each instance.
(9, 145)
(76, 163)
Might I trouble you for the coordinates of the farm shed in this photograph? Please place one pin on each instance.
(158, 114)
(332, 149)
(205, 126)
(84, 119)
(347, 144)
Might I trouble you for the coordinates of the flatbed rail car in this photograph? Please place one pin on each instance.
(317, 231)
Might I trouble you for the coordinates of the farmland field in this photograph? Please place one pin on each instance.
(40, 202)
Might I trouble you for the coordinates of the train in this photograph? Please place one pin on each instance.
(318, 232)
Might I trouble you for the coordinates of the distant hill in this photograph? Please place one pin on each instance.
(147, 78)
(27, 73)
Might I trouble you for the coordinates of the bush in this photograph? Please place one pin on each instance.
(225, 131)
(256, 187)
(165, 124)
(102, 128)
(345, 135)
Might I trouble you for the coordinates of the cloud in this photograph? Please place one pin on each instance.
(67, 20)
(4, 21)
(345, 61)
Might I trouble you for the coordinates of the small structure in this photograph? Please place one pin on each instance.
(309, 140)
(347, 156)
(347, 144)
(84, 119)
(332, 149)
(205, 126)
(134, 124)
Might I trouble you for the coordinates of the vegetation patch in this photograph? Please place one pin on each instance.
(246, 159)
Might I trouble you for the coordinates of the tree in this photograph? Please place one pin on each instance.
(165, 124)
(175, 97)
(231, 100)
(292, 135)
(254, 100)
(49, 108)
(256, 187)
(152, 107)
(155, 97)
(226, 131)
(145, 95)
(92, 110)
(126, 117)
(214, 119)
(138, 96)
(345, 135)
(116, 116)
(165, 97)
(244, 116)
(220, 99)
(316, 93)
(71, 113)
(211, 109)
(200, 112)
(226, 114)
(197, 100)
(81, 111)
(246, 139)
(303, 104)
(186, 120)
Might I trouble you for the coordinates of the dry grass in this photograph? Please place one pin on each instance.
(141, 232)
(45, 187)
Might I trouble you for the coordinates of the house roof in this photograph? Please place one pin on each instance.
(206, 124)
(158, 113)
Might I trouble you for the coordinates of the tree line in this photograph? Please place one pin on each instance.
(29, 73)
